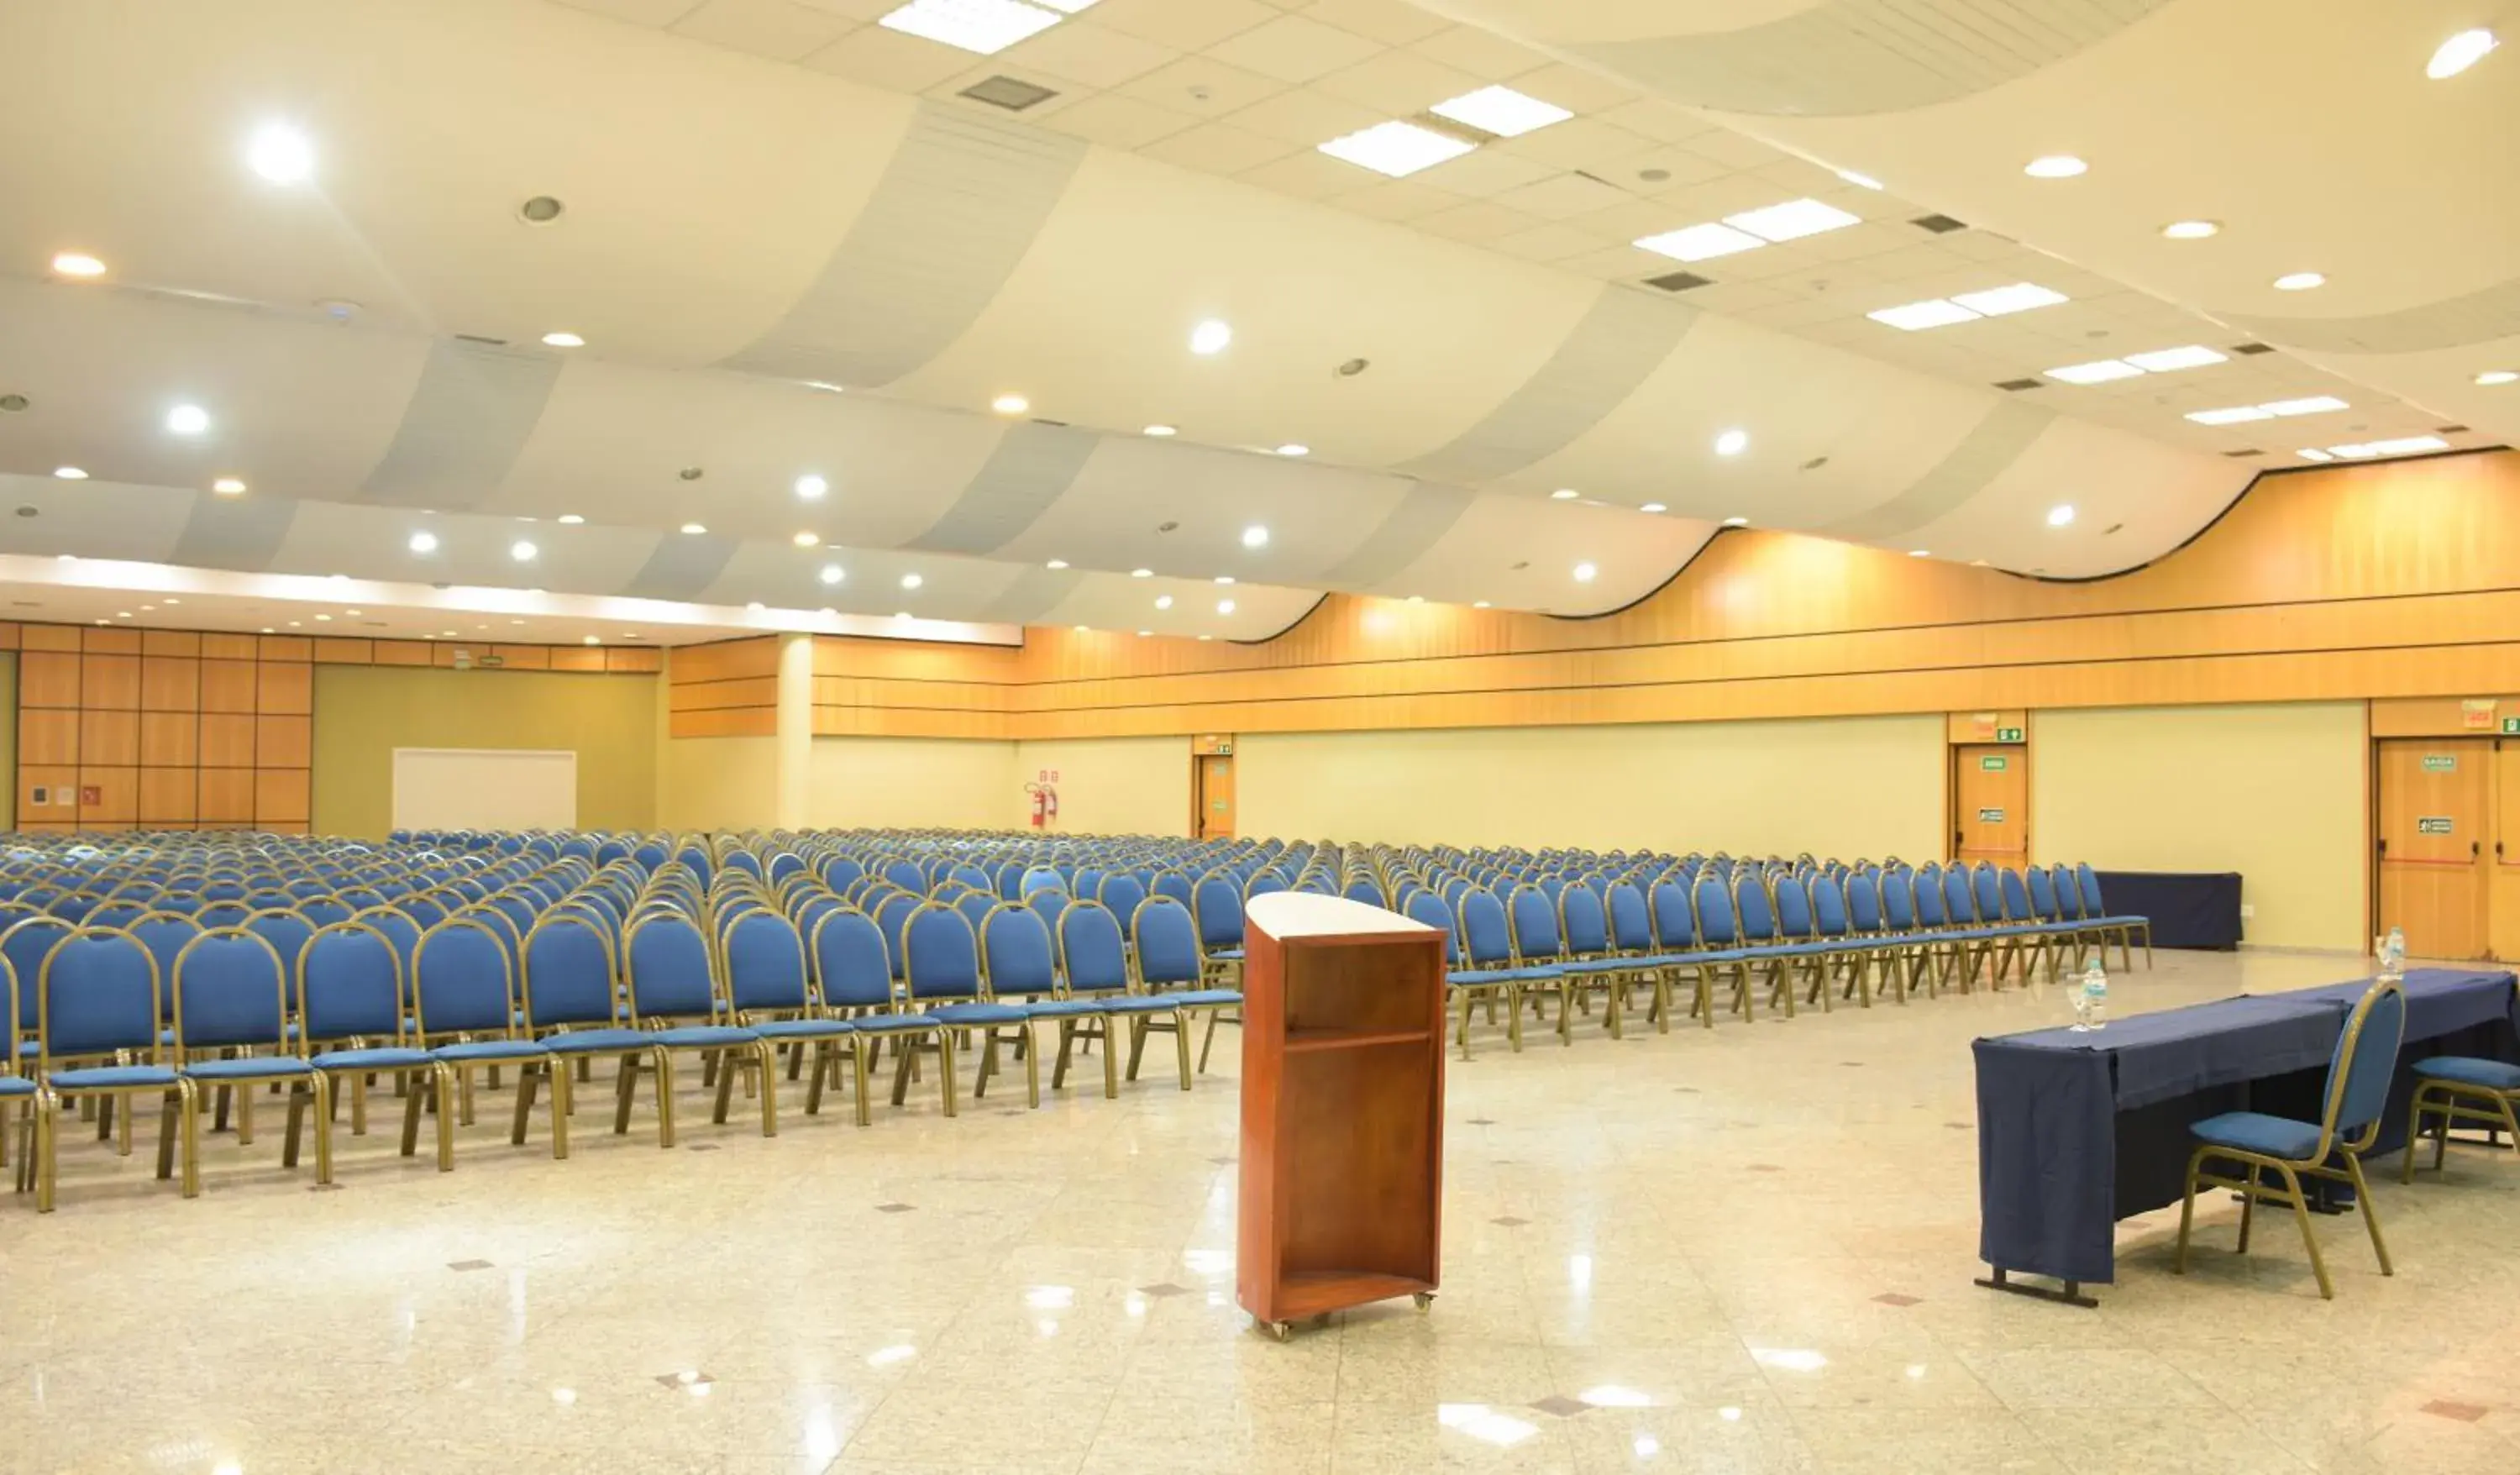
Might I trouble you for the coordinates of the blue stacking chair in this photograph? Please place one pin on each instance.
(1633, 937)
(1098, 993)
(671, 975)
(942, 952)
(853, 965)
(16, 1088)
(232, 997)
(24, 947)
(1120, 893)
(2098, 918)
(1487, 947)
(1217, 903)
(1539, 952)
(573, 1009)
(771, 989)
(463, 994)
(1754, 921)
(97, 999)
(1799, 937)
(352, 1022)
(1170, 969)
(2356, 1094)
(1591, 958)
(1019, 960)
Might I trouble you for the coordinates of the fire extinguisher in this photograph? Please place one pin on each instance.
(1045, 804)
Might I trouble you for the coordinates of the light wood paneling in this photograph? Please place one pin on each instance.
(178, 643)
(110, 642)
(216, 646)
(283, 742)
(284, 686)
(109, 740)
(339, 651)
(731, 660)
(227, 740)
(48, 678)
(170, 740)
(633, 660)
(523, 658)
(49, 638)
(48, 738)
(401, 654)
(110, 681)
(169, 795)
(170, 684)
(586, 658)
(116, 792)
(741, 722)
(227, 685)
(227, 795)
(280, 796)
(2436, 813)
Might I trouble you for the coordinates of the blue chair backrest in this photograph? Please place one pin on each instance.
(287, 932)
(1675, 919)
(1042, 878)
(427, 911)
(1632, 927)
(1219, 909)
(975, 907)
(25, 944)
(1487, 936)
(2069, 892)
(1365, 889)
(1752, 911)
(165, 934)
(1960, 903)
(744, 861)
(1097, 955)
(351, 984)
(1583, 920)
(1534, 916)
(567, 973)
(2016, 895)
(1167, 943)
(1717, 926)
(942, 954)
(118, 914)
(1795, 918)
(1828, 906)
(1863, 904)
(460, 980)
(1428, 908)
(1018, 953)
(1986, 894)
(1122, 894)
(231, 989)
(2366, 1062)
(1925, 892)
(1264, 883)
(1171, 883)
(2086, 883)
(1049, 904)
(667, 966)
(2043, 894)
(852, 960)
(765, 963)
(97, 992)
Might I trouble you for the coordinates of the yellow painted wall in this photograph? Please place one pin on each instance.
(2275, 792)
(363, 713)
(1109, 785)
(8, 738)
(903, 783)
(718, 784)
(1847, 786)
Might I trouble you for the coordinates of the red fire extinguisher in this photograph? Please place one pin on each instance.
(1044, 803)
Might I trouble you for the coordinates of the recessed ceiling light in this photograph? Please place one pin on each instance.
(1563, 494)
(1163, 601)
(2312, 453)
(1501, 110)
(1737, 523)
(1159, 431)
(2316, 404)
(693, 529)
(1478, 604)
(1652, 506)
(77, 264)
(422, 543)
(352, 613)
(2020, 296)
(1396, 149)
(124, 614)
(1142, 573)
(812, 487)
(300, 624)
(1934, 312)
(1699, 243)
(188, 420)
(1731, 443)
(831, 573)
(1208, 637)
(807, 540)
(1290, 448)
(1255, 536)
(1083, 629)
(985, 26)
(2403, 445)
(178, 601)
(2054, 167)
(1010, 404)
(755, 607)
(2493, 376)
(1417, 599)
(594, 639)
(1225, 606)
(1583, 573)
(2100, 373)
(570, 520)
(2232, 416)
(2060, 515)
(1211, 336)
(522, 551)
(228, 486)
(2192, 230)
(827, 386)
(1921, 552)
(1792, 220)
(266, 629)
(2299, 280)
(1056, 563)
(323, 618)
(69, 473)
(563, 340)
(1859, 181)
(280, 153)
(2169, 360)
(2460, 52)
(912, 581)
(1224, 578)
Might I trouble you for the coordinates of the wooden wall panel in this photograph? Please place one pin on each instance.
(170, 684)
(227, 795)
(283, 742)
(170, 739)
(49, 638)
(227, 740)
(280, 796)
(48, 678)
(285, 686)
(169, 797)
(227, 685)
(109, 740)
(183, 643)
(589, 658)
(402, 652)
(110, 640)
(47, 739)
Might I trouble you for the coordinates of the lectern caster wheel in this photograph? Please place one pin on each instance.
(1423, 1299)
(1281, 1330)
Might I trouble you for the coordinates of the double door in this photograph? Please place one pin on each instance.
(2447, 840)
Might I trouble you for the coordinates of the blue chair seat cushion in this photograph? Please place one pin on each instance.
(1202, 999)
(979, 1013)
(378, 1057)
(1488, 978)
(1225, 955)
(492, 1049)
(2468, 1070)
(113, 1078)
(700, 1037)
(248, 1068)
(15, 1086)
(2254, 1132)
(803, 1029)
(892, 1024)
(598, 1041)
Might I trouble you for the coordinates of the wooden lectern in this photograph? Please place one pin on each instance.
(1343, 1107)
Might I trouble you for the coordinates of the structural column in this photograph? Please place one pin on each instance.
(796, 732)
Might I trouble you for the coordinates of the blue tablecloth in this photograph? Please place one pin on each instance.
(2078, 1130)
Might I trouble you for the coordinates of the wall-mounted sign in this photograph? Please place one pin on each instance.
(2441, 763)
(2432, 825)
(90, 794)
(2007, 735)
(2512, 727)
(2476, 714)
(1990, 816)
(1994, 765)
(39, 796)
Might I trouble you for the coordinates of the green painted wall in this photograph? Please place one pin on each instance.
(8, 738)
(363, 713)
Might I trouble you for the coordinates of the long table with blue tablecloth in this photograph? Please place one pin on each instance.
(2078, 1130)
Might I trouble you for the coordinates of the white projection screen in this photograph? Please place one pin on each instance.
(484, 788)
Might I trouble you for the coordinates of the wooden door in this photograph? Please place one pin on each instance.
(1991, 803)
(2503, 851)
(1215, 796)
(2436, 808)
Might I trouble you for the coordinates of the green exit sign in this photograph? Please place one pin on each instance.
(2512, 727)
(2014, 735)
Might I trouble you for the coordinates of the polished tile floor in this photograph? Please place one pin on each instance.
(1743, 1250)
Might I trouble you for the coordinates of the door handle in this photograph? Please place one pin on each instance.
(2474, 849)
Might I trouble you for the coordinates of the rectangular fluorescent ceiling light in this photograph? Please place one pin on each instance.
(2233, 416)
(2316, 404)
(2311, 453)
(1070, 7)
(1792, 220)
(1698, 242)
(1931, 313)
(1500, 110)
(2096, 374)
(1396, 147)
(2020, 296)
(2165, 360)
(2406, 445)
(985, 26)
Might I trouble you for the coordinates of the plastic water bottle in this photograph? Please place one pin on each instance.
(2393, 954)
(2094, 1011)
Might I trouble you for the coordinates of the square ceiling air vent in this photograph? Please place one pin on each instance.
(1013, 94)
(1678, 281)
(486, 343)
(2450, 430)
(1940, 225)
(2242, 455)
(2252, 348)
(2016, 384)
